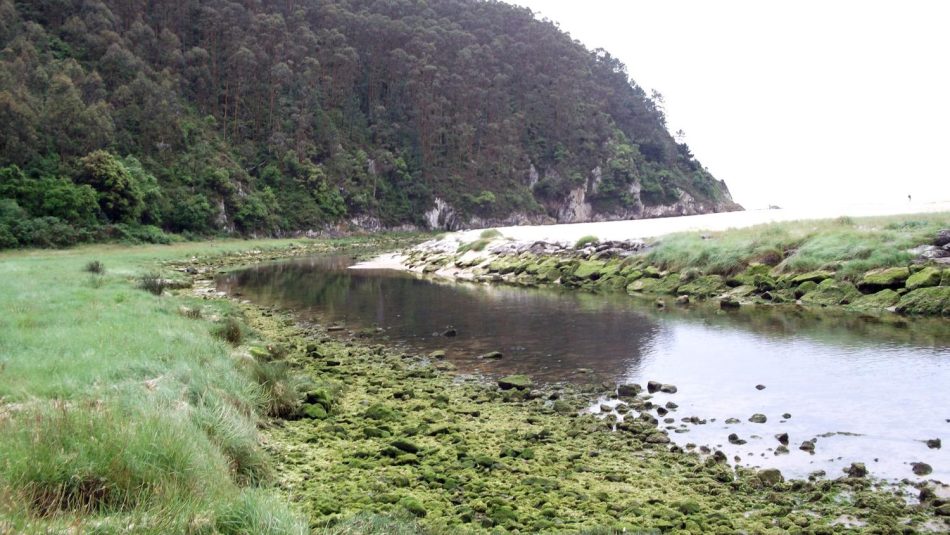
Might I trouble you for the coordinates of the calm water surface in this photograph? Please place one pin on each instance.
(869, 389)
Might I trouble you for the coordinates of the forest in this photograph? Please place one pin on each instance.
(141, 120)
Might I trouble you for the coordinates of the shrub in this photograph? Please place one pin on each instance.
(490, 234)
(585, 241)
(230, 331)
(152, 282)
(95, 266)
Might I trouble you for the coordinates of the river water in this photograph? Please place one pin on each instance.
(869, 389)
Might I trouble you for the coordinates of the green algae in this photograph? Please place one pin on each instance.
(469, 458)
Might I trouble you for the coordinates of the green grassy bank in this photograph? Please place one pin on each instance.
(123, 411)
(866, 264)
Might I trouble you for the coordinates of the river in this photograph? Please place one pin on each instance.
(870, 389)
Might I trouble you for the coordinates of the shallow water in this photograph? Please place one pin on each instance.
(880, 384)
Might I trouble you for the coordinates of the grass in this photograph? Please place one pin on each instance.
(849, 246)
(490, 234)
(477, 245)
(118, 410)
(584, 241)
(152, 283)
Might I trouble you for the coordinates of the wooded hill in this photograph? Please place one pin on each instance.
(126, 118)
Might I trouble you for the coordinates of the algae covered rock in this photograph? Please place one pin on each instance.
(831, 292)
(705, 286)
(313, 411)
(588, 269)
(519, 382)
(629, 390)
(643, 285)
(934, 301)
(812, 276)
(925, 278)
(880, 279)
(770, 477)
(877, 301)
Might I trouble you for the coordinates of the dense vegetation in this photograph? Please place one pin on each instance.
(128, 119)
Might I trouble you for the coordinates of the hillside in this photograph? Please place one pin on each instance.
(126, 118)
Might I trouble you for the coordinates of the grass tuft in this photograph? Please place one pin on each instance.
(585, 241)
(95, 266)
(490, 234)
(230, 331)
(477, 245)
(280, 389)
(152, 282)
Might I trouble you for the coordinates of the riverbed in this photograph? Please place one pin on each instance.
(866, 388)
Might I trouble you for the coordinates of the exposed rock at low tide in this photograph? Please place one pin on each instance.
(758, 418)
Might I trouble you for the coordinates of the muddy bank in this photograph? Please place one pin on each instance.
(386, 431)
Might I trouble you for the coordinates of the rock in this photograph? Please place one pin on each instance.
(880, 279)
(943, 510)
(804, 288)
(729, 303)
(877, 301)
(783, 438)
(682, 300)
(813, 276)
(925, 278)
(760, 387)
(660, 303)
(406, 446)
(930, 252)
(831, 292)
(437, 354)
(808, 446)
(705, 286)
(336, 328)
(629, 390)
(605, 408)
(734, 439)
(934, 301)
(921, 469)
(732, 421)
(450, 332)
(781, 450)
(491, 355)
(673, 406)
(653, 386)
(770, 477)
(758, 418)
(668, 389)
(313, 411)
(934, 443)
(413, 507)
(662, 411)
(857, 470)
(786, 415)
(943, 237)
(520, 382)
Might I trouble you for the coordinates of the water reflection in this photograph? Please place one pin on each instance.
(882, 380)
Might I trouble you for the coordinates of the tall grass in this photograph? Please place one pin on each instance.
(116, 410)
(848, 246)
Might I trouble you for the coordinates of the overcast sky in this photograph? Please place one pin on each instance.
(791, 103)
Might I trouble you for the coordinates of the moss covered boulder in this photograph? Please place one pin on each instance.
(705, 286)
(589, 270)
(643, 285)
(933, 301)
(831, 292)
(519, 382)
(880, 279)
(812, 276)
(925, 278)
(877, 301)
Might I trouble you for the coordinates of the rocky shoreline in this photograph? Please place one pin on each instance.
(379, 430)
(922, 288)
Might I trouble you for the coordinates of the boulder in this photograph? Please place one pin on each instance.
(831, 292)
(934, 443)
(877, 301)
(943, 237)
(921, 469)
(668, 389)
(734, 439)
(880, 279)
(589, 270)
(653, 386)
(729, 303)
(808, 446)
(406, 446)
(770, 477)
(934, 301)
(758, 418)
(705, 286)
(760, 387)
(629, 390)
(491, 355)
(643, 285)
(857, 470)
(782, 438)
(812, 276)
(925, 278)
(519, 382)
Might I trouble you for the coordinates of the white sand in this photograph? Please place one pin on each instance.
(648, 228)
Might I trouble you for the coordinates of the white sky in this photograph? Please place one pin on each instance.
(793, 103)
